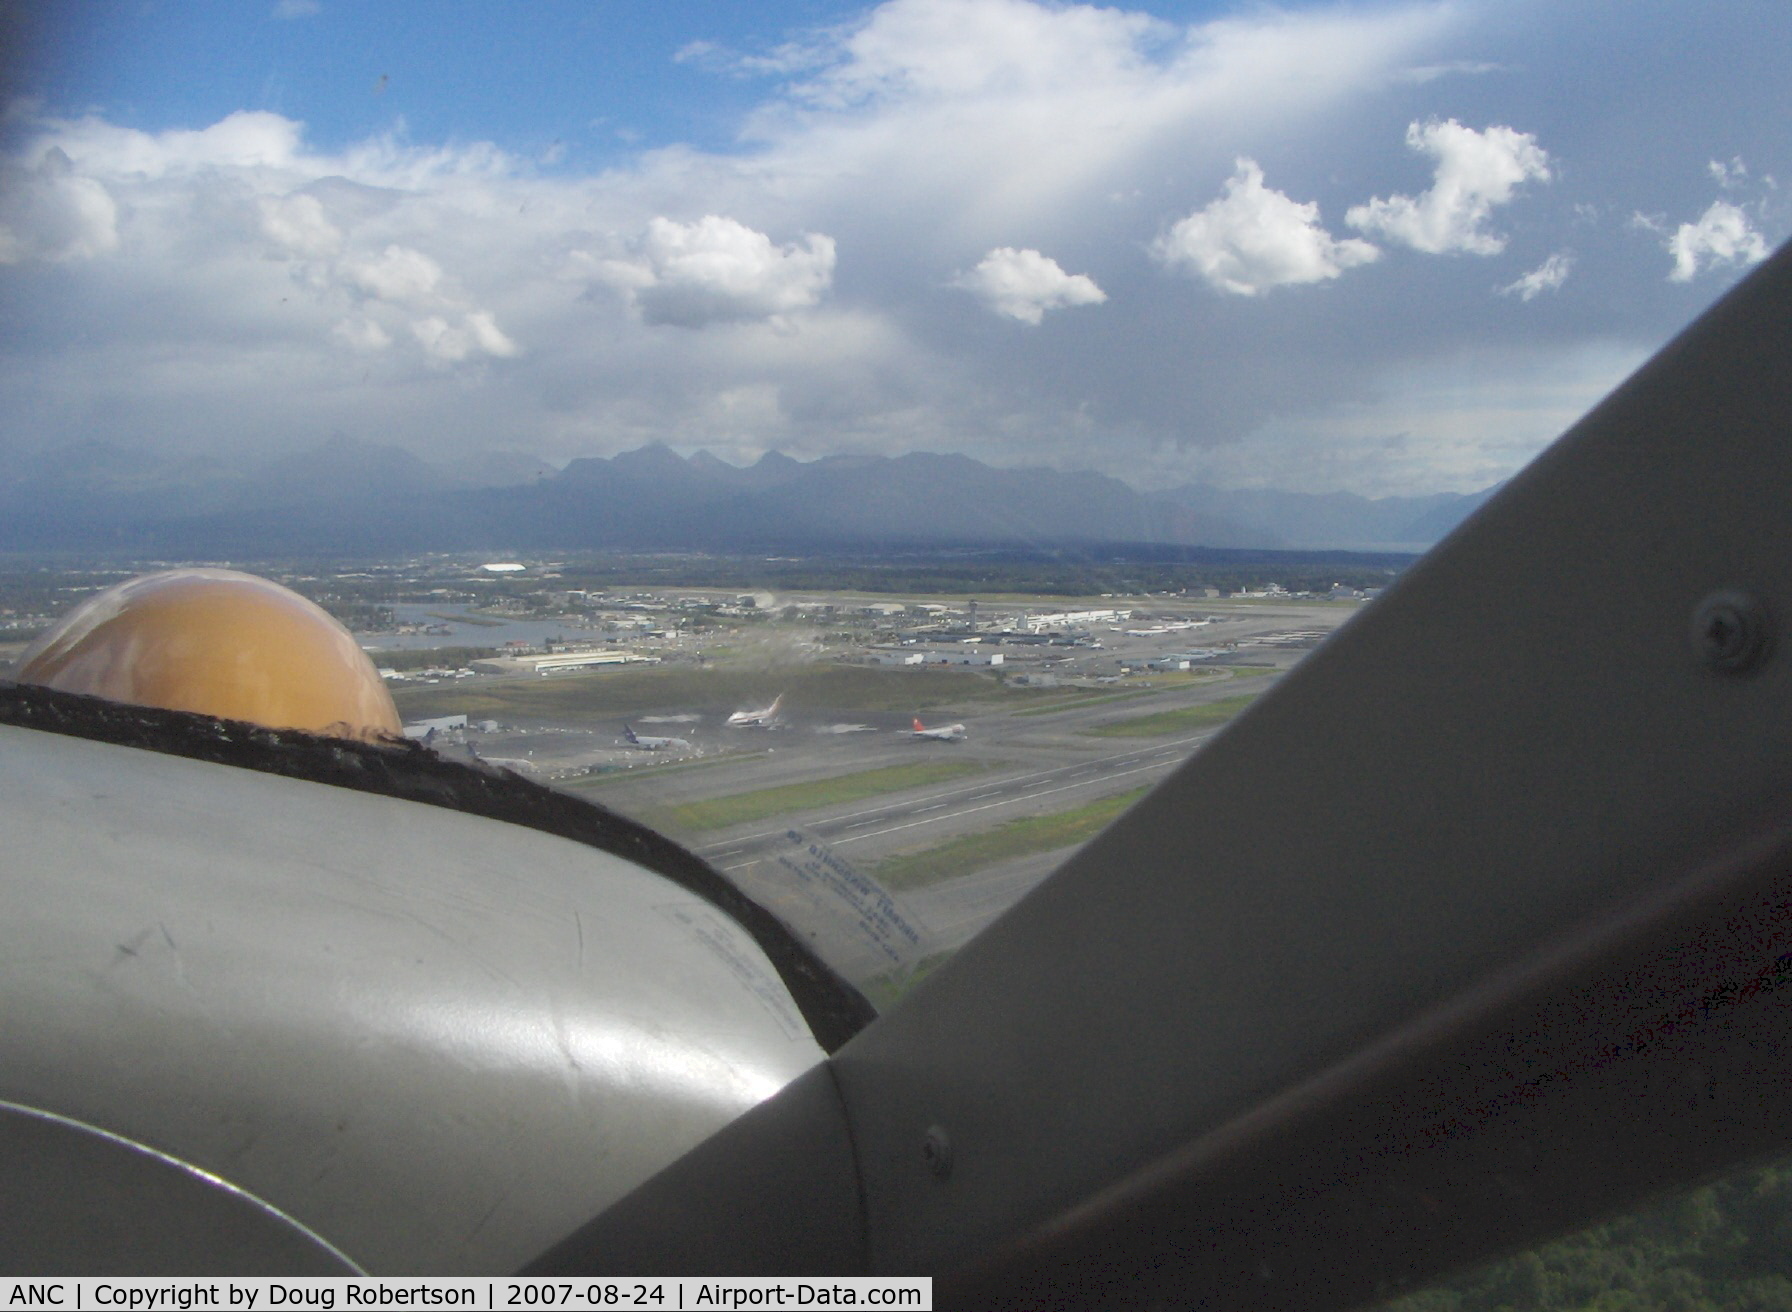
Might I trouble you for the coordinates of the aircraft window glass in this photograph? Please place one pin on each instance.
(870, 443)
(816, 746)
(419, 327)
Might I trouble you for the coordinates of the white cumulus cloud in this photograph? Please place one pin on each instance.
(1546, 277)
(1733, 174)
(1722, 236)
(1475, 171)
(50, 213)
(398, 274)
(959, 49)
(1254, 238)
(718, 270)
(298, 225)
(246, 140)
(486, 335)
(361, 335)
(983, 118)
(1023, 284)
(242, 285)
(451, 343)
(202, 213)
(401, 282)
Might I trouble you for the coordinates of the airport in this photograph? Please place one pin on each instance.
(1369, 1005)
(951, 750)
(1069, 715)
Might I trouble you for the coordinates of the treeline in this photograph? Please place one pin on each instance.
(1063, 576)
(406, 659)
(360, 591)
(31, 588)
(1726, 1247)
(359, 616)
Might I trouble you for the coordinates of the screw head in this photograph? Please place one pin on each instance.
(1730, 632)
(936, 1151)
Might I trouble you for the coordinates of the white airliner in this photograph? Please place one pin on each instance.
(756, 719)
(951, 733)
(653, 744)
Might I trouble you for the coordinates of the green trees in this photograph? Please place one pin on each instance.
(1724, 1247)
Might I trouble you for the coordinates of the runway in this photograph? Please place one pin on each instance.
(1036, 755)
(957, 905)
(1036, 765)
(944, 812)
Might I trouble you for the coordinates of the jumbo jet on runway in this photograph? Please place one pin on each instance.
(756, 719)
(951, 733)
(653, 744)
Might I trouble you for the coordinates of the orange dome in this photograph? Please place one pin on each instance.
(219, 643)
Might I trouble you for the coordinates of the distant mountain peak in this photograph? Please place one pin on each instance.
(655, 455)
(350, 493)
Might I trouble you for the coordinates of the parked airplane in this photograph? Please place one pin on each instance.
(756, 719)
(951, 733)
(651, 744)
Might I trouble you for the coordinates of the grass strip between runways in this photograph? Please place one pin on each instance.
(1187, 717)
(1075, 703)
(742, 808)
(1022, 837)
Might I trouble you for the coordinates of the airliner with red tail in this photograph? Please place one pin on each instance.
(951, 733)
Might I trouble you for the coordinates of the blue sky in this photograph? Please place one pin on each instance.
(603, 79)
(1372, 247)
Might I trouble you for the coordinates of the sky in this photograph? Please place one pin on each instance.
(1383, 248)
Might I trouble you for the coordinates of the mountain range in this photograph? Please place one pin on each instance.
(355, 497)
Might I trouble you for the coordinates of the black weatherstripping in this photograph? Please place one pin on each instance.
(834, 1009)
